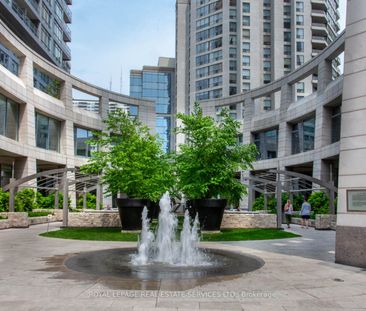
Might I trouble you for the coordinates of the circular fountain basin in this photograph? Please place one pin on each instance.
(117, 263)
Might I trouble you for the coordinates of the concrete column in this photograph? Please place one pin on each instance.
(351, 218)
(247, 119)
(323, 124)
(324, 75)
(287, 97)
(65, 191)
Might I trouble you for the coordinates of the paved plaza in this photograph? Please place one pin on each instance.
(298, 274)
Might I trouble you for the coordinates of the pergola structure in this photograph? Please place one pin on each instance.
(63, 180)
(275, 182)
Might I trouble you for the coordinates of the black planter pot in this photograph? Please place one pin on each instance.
(130, 211)
(153, 210)
(210, 212)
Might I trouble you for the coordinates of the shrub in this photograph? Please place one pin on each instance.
(319, 203)
(4, 201)
(25, 200)
(48, 202)
(91, 201)
(38, 214)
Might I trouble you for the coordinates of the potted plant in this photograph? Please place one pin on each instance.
(208, 162)
(131, 162)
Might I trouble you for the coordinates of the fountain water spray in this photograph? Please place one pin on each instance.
(166, 248)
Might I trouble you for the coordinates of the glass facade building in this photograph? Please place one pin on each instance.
(157, 84)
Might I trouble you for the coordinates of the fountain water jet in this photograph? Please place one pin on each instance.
(166, 248)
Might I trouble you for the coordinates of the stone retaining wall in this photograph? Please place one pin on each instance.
(21, 220)
(232, 220)
(108, 219)
(321, 222)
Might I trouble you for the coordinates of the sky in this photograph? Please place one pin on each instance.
(114, 36)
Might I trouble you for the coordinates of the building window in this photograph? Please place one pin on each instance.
(267, 52)
(266, 14)
(300, 33)
(246, 20)
(300, 46)
(45, 83)
(232, 78)
(232, 14)
(303, 134)
(287, 23)
(232, 52)
(266, 143)
(9, 60)
(287, 63)
(46, 38)
(299, 60)
(267, 103)
(300, 87)
(266, 78)
(9, 118)
(6, 172)
(299, 6)
(246, 47)
(300, 20)
(58, 10)
(336, 124)
(232, 40)
(246, 87)
(57, 52)
(163, 129)
(232, 65)
(57, 31)
(287, 50)
(266, 27)
(267, 65)
(246, 74)
(232, 27)
(81, 136)
(246, 60)
(246, 7)
(47, 132)
(46, 15)
(246, 34)
(287, 10)
(287, 36)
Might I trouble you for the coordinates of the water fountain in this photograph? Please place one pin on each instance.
(163, 257)
(166, 248)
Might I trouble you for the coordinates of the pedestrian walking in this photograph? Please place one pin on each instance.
(288, 212)
(305, 213)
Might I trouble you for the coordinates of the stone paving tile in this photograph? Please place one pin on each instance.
(293, 282)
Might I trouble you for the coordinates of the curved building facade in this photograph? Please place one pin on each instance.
(41, 128)
(322, 134)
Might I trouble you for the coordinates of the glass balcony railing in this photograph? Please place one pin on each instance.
(22, 15)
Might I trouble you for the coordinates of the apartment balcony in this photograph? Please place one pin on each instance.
(67, 14)
(318, 4)
(319, 29)
(67, 34)
(66, 52)
(31, 7)
(68, 2)
(319, 43)
(315, 52)
(318, 16)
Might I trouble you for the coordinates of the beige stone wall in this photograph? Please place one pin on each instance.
(248, 220)
(108, 219)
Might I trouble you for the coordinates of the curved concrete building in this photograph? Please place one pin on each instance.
(321, 135)
(40, 126)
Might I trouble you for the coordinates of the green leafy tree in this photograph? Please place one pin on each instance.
(208, 162)
(91, 201)
(130, 159)
(48, 202)
(25, 200)
(4, 201)
(319, 203)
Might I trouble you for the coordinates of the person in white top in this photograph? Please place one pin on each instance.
(288, 212)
